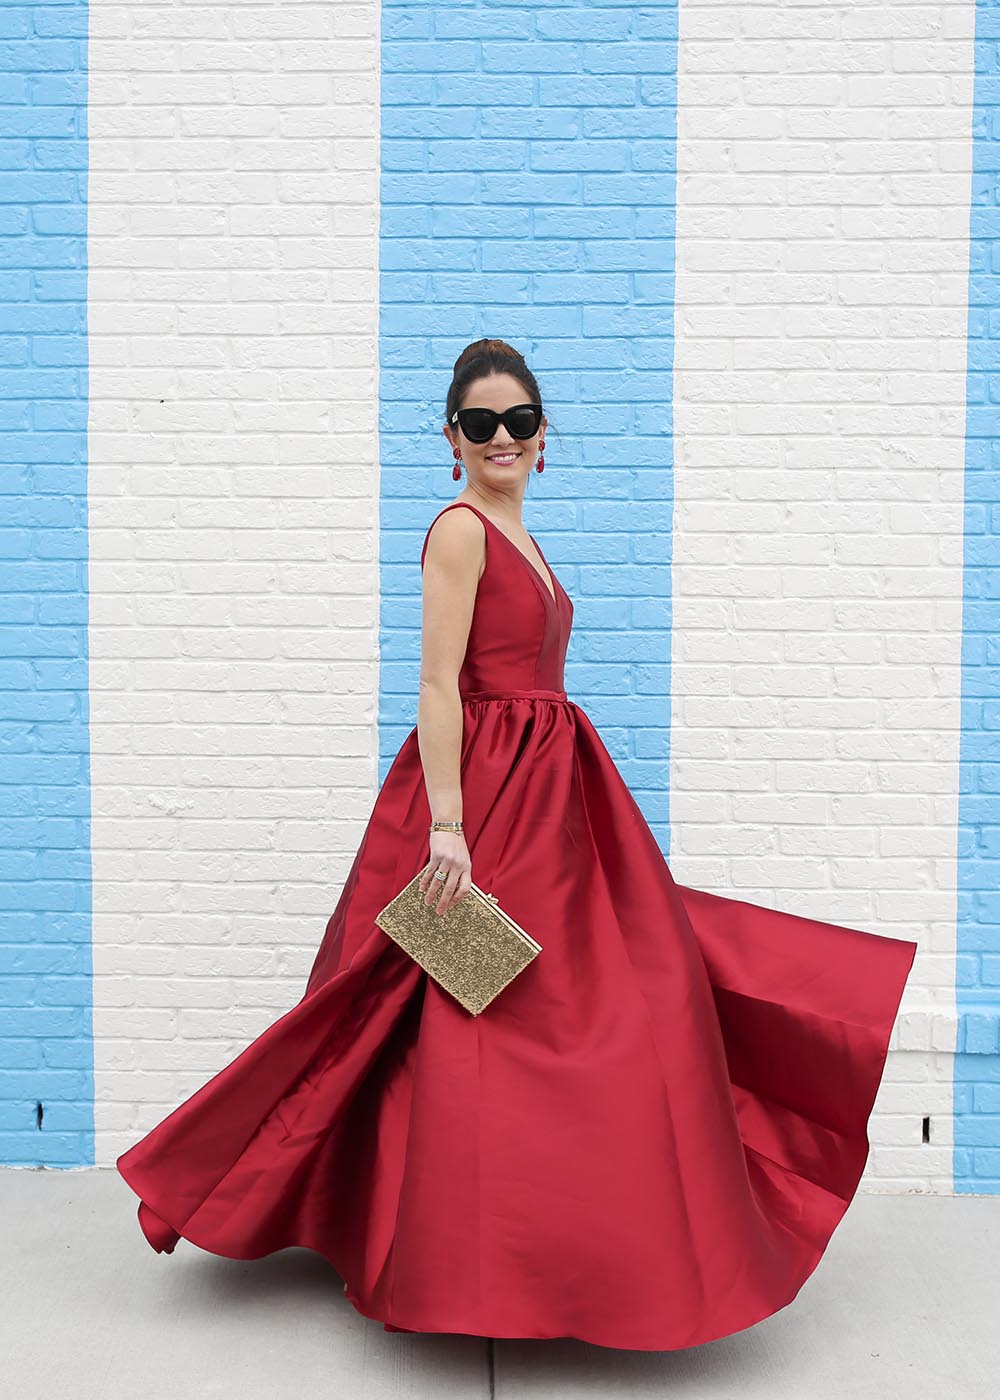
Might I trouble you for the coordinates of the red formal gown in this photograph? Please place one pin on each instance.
(645, 1141)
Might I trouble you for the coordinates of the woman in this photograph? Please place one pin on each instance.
(647, 1139)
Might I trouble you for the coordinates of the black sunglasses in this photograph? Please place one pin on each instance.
(479, 424)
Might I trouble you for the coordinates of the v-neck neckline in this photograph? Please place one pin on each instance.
(552, 596)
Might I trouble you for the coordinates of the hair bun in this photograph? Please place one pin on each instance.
(485, 347)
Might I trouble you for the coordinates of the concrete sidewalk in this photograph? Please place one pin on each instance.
(906, 1302)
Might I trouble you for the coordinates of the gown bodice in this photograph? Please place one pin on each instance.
(519, 632)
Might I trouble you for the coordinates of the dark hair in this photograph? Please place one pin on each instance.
(485, 357)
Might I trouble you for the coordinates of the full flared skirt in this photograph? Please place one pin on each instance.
(645, 1141)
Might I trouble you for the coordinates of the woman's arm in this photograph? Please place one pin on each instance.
(453, 563)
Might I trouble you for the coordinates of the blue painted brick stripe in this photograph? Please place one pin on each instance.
(977, 991)
(46, 1038)
(528, 193)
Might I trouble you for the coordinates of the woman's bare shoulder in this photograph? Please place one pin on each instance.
(453, 534)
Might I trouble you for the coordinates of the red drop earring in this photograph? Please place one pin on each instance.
(540, 464)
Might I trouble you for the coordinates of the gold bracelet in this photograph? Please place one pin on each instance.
(446, 826)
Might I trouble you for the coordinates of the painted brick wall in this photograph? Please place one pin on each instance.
(822, 194)
(234, 521)
(750, 620)
(527, 194)
(767, 615)
(977, 967)
(46, 1080)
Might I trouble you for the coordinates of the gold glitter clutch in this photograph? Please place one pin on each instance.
(472, 951)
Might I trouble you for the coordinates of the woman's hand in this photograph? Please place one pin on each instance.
(450, 854)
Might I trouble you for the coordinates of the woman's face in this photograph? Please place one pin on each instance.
(504, 460)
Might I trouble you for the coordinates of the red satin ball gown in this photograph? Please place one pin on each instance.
(645, 1141)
